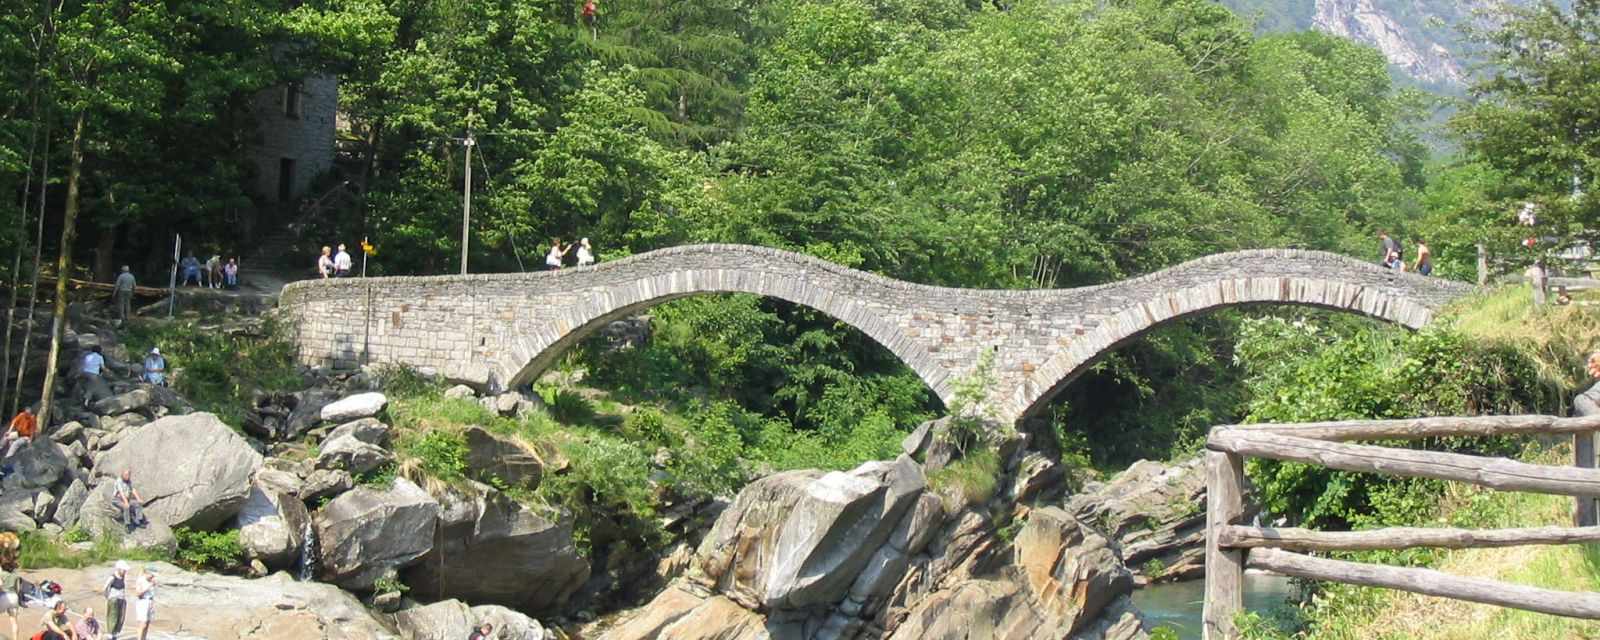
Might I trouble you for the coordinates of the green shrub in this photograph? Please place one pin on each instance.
(441, 453)
(220, 372)
(969, 481)
(399, 381)
(220, 550)
(389, 584)
(40, 551)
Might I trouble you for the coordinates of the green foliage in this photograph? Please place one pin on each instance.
(967, 482)
(40, 551)
(1302, 372)
(219, 371)
(213, 550)
(441, 453)
(607, 488)
(389, 584)
(405, 382)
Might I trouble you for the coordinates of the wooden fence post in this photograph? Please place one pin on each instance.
(1224, 567)
(1483, 265)
(1583, 456)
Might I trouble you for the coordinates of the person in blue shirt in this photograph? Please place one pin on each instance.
(190, 267)
(155, 368)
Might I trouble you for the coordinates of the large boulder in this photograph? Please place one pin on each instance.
(491, 456)
(798, 540)
(272, 525)
(37, 465)
(490, 549)
(681, 612)
(356, 407)
(307, 411)
(192, 470)
(453, 620)
(368, 430)
(325, 483)
(1071, 570)
(119, 404)
(366, 532)
(222, 607)
(98, 517)
(71, 503)
(351, 454)
(1156, 513)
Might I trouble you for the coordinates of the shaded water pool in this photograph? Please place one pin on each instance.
(1177, 604)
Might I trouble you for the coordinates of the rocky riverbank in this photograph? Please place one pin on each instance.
(313, 489)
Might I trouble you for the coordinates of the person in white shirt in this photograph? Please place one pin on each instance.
(553, 259)
(341, 263)
(585, 254)
(144, 608)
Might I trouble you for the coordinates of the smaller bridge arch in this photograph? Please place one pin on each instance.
(499, 330)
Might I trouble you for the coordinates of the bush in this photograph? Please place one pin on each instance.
(440, 453)
(220, 372)
(219, 551)
(399, 381)
(967, 482)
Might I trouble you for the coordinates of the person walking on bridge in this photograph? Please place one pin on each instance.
(1387, 246)
(325, 263)
(341, 263)
(122, 294)
(585, 253)
(557, 253)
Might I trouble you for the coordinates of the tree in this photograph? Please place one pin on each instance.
(1532, 118)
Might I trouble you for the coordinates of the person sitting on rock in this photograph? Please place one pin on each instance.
(130, 506)
(18, 434)
(484, 631)
(87, 627)
(58, 625)
(155, 368)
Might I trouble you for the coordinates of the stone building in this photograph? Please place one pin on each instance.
(296, 140)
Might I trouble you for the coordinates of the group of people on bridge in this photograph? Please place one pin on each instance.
(1392, 255)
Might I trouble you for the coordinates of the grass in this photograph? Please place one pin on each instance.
(1557, 338)
(970, 481)
(217, 371)
(40, 551)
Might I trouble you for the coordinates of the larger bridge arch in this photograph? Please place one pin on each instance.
(500, 330)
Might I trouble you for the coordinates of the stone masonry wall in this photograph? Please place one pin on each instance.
(306, 139)
(502, 330)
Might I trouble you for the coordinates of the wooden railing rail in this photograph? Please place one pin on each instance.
(1231, 546)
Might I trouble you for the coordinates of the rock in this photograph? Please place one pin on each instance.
(460, 392)
(680, 612)
(1071, 570)
(368, 430)
(192, 470)
(325, 483)
(489, 549)
(131, 401)
(918, 440)
(1119, 621)
(489, 455)
(272, 526)
(365, 532)
(278, 480)
(36, 465)
(361, 405)
(98, 518)
(115, 424)
(71, 503)
(975, 610)
(16, 510)
(446, 620)
(68, 433)
(232, 608)
(797, 540)
(506, 403)
(1157, 515)
(508, 624)
(307, 411)
(44, 506)
(355, 456)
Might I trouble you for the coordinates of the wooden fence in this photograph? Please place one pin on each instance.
(1232, 546)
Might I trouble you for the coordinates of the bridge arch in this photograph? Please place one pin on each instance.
(1339, 289)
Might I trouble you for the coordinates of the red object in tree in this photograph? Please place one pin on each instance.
(588, 10)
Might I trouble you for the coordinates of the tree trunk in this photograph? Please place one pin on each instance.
(38, 259)
(105, 250)
(69, 223)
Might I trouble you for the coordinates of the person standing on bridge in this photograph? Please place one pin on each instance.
(341, 263)
(1389, 248)
(1424, 264)
(585, 254)
(552, 260)
(325, 263)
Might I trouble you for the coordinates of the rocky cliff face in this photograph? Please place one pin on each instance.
(1420, 38)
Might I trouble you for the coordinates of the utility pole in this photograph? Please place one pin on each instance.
(466, 196)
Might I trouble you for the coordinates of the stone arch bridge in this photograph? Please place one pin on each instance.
(501, 330)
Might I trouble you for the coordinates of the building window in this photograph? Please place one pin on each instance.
(291, 100)
(285, 179)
